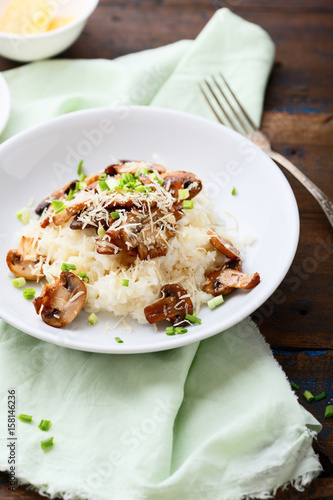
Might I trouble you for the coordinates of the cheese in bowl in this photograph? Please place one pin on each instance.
(133, 240)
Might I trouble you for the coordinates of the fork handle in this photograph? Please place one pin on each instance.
(323, 200)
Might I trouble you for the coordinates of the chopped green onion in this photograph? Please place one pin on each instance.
(188, 204)
(233, 192)
(57, 203)
(25, 418)
(82, 177)
(18, 282)
(118, 339)
(44, 425)
(29, 293)
(102, 177)
(77, 186)
(328, 411)
(70, 195)
(103, 185)
(180, 330)
(140, 189)
(60, 209)
(170, 330)
(293, 385)
(115, 215)
(152, 176)
(320, 396)
(79, 168)
(183, 194)
(82, 186)
(308, 395)
(160, 182)
(143, 171)
(23, 215)
(148, 189)
(47, 443)
(93, 319)
(125, 283)
(193, 319)
(101, 231)
(68, 267)
(83, 277)
(216, 301)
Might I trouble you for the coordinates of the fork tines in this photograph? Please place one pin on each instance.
(218, 100)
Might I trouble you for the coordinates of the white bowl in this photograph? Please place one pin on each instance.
(31, 47)
(36, 161)
(4, 103)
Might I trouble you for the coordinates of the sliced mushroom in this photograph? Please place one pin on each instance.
(23, 260)
(222, 245)
(174, 181)
(61, 302)
(60, 193)
(223, 281)
(104, 247)
(173, 306)
(66, 214)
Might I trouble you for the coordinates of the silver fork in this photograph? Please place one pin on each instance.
(241, 122)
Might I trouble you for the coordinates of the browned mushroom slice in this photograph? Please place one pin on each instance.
(21, 262)
(173, 306)
(60, 193)
(106, 248)
(61, 302)
(65, 215)
(225, 280)
(174, 181)
(222, 245)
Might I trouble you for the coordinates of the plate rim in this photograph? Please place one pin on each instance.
(178, 341)
(4, 89)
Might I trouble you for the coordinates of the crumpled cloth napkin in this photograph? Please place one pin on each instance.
(212, 420)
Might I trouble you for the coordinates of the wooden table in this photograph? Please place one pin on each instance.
(296, 320)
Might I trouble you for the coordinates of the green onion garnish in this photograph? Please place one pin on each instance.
(148, 189)
(125, 283)
(160, 182)
(77, 186)
(115, 215)
(188, 204)
(70, 195)
(193, 319)
(25, 418)
(82, 186)
(102, 177)
(118, 339)
(328, 411)
(216, 301)
(180, 330)
(83, 277)
(183, 194)
(103, 185)
(44, 425)
(293, 385)
(60, 209)
(320, 396)
(23, 215)
(170, 330)
(101, 231)
(18, 282)
(82, 177)
(57, 203)
(308, 395)
(48, 443)
(233, 192)
(140, 189)
(68, 267)
(29, 293)
(93, 319)
(79, 168)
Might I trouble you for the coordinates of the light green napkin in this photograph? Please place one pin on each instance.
(215, 420)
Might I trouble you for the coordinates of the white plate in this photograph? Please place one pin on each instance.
(34, 162)
(4, 103)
